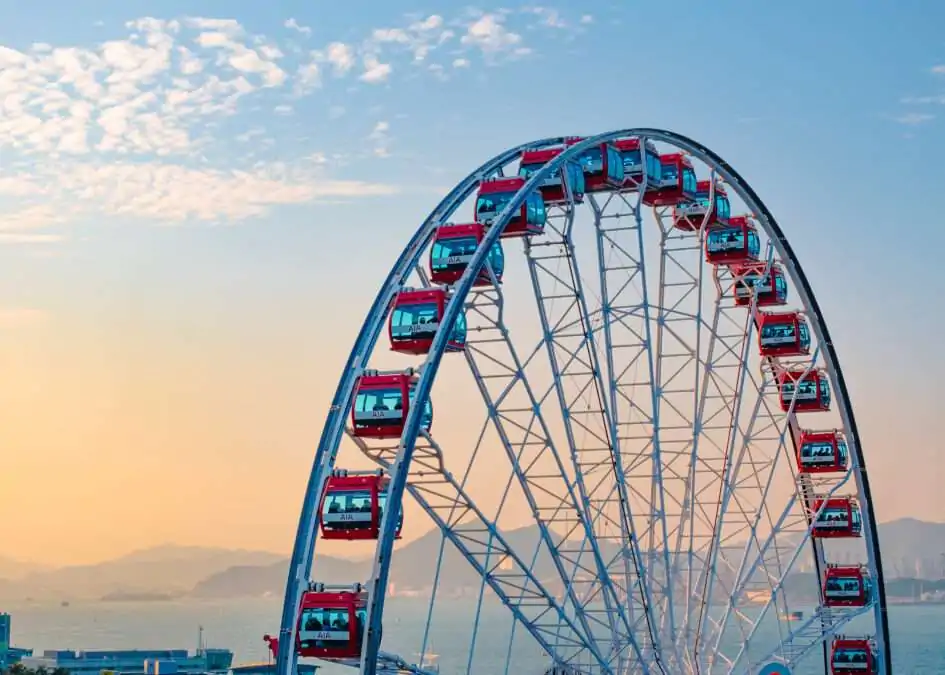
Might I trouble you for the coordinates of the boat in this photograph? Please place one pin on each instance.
(9, 655)
(92, 662)
(428, 661)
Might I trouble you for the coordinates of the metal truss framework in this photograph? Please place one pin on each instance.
(479, 540)
(650, 524)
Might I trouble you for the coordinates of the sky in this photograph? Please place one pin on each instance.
(198, 202)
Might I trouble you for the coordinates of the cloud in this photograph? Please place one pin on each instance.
(292, 24)
(924, 100)
(340, 56)
(142, 94)
(489, 35)
(307, 78)
(549, 17)
(19, 185)
(167, 193)
(120, 129)
(225, 25)
(381, 139)
(915, 118)
(189, 63)
(245, 59)
(21, 238)
(375, 71)
(32, 217)
(419, 38)
(178, 119)
(934, 99)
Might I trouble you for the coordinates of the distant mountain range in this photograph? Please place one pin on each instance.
(412, 567)
(912, 549)
(164, 570)
(11, 569)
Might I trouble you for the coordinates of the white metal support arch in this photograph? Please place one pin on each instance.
(399, 458)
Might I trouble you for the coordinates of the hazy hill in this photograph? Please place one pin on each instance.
(11, 569)
(257, 581)
(907, 543)
(164, 569)
(912, 549)
(413, 566)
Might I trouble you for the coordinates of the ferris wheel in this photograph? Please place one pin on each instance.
(611, 337)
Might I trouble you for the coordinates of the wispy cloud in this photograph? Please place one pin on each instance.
(489, 35)
(30, 218)
(924, 100)
(381, 139)
(132, 127)
(21, 238)
(375, 71)
(292, 24)
(914, 118)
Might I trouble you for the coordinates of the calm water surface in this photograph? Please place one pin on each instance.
(918, 631)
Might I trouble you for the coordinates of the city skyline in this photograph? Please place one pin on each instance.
(193, 230)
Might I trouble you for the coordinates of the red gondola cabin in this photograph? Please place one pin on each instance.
(552, 188)
(634, 165)
(416, 318)
(812, 390)
(846, 586)
(839, 518)
(602, 166)
(689, 216)
(331, 622)
(353, 505)
(496, 193)
(822, 452)
(734, 243)
(677, 183)
(382, 404)
(853, 655)
(750, 279)
(454, 247)
(783, 334)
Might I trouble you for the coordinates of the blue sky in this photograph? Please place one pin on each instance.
(230, 173)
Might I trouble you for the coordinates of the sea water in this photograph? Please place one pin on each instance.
(918, 631)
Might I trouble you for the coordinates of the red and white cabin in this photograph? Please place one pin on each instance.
(352, 507)
(822, 452)
(836, 518)
(331, 622)
(849, 655)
